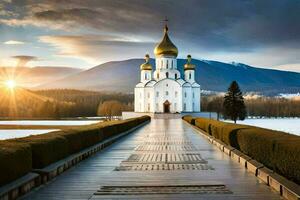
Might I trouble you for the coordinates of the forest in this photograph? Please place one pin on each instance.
(58, 103)
(258, 106)
(62, 103)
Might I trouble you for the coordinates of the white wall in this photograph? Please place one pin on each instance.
(166, 89)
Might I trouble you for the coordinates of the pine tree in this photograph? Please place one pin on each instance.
(234, 106)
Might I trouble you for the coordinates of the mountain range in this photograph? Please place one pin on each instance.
(122, 76)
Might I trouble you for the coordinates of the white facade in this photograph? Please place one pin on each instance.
(165, 90)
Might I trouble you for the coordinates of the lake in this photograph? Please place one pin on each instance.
(17, 133)
(289, 125)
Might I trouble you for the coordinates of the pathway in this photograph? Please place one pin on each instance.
(165, 159)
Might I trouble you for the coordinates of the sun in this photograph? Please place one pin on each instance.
(11, 84)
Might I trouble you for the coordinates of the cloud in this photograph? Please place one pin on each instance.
(13, 42)
(24, 59)
(289, 67)
(94, 48)
(236, 28)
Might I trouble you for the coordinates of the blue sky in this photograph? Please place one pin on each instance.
(83, 34)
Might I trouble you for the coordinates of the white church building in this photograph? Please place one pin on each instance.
(162, 88)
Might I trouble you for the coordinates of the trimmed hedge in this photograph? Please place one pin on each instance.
(19, 156)
(277, 150)
(15, 161)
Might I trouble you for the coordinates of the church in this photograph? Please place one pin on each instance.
(163, 89)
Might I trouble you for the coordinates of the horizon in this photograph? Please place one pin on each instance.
(86, 34)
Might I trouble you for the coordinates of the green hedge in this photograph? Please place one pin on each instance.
(19, 156)
(15, 161)
(277, 150)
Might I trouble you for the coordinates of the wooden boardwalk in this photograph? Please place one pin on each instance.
(166, 159)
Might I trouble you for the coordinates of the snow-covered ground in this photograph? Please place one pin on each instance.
(49, 122)
(16, 133)
(289, 125)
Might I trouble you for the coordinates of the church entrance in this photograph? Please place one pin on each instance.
(167, 106)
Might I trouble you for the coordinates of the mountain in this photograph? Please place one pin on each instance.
(31, 77)
(122, 76)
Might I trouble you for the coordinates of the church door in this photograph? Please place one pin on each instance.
(167, 106)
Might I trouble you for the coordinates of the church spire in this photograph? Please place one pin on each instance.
(166, 46)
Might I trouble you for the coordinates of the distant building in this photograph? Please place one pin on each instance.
(165, 90)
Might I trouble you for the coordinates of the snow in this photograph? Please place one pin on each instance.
(49, 122)
(16, 133)
(289, 125)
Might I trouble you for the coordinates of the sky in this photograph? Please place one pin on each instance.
(86, 33)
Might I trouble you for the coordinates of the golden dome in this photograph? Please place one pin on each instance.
(166, 46)
(189, 65)
(146, 65)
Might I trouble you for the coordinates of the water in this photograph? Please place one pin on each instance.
(289, 125)
(18, 133)
(49, 122)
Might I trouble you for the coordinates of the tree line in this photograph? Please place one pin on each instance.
(261, 106)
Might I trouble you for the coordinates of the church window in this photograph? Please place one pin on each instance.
(167, 64)
(175, 76)
(167, 74)
(176, 93)
(167, 85)
(157, 94)
(145, 76)
(167, 93)
(184, 106)
(184, 94)
(193, 95)
(190, 76)
(148, 106)
(157, 75)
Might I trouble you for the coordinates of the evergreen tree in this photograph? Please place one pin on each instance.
(234, 106)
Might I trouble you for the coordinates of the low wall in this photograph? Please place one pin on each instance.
(209, 115)
(20, 156)
(259, 150)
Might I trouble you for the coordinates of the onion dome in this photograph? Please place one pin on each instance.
(189, 65)
(146, 65)
(166, 46)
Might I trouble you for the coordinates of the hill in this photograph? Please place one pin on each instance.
(122, 76)
(23, 103)
(32, 77)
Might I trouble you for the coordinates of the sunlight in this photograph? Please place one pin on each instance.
(11, 84)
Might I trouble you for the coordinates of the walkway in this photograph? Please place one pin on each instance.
(165, 159)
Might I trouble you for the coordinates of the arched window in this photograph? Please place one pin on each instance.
(175, 76)
(167, 74)
(167, 64)
(190, 76)
(145, 76)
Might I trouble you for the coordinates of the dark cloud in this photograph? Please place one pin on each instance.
(23, 60)
(218, 24)
(210, 25)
